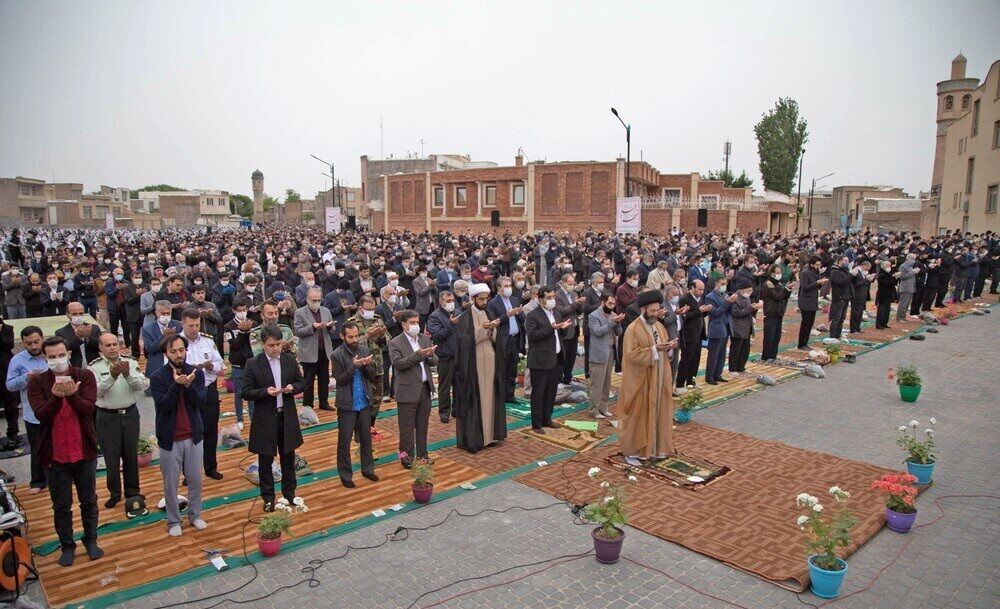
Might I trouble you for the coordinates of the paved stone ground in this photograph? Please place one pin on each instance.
(853, 413)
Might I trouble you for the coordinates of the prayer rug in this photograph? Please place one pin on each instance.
(566, 438)
(677, 469)
(519, 410)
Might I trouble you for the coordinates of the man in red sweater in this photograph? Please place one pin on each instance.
(64, 399)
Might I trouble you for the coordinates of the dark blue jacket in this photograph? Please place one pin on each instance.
(166, 393)
(497, 310)
(720, 317)
(443, 334)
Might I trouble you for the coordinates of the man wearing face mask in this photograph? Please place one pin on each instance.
(412, 357)
(569, 304)
(375, 336)
(423, 295)
(153, 333)
(542, 327)
(507, 307)
(605, 327)
(480, 376)
(314, 326)
(441, 326)
(719, 330)
(594, 295)
(390, 309)
(178, 390)
(63, 399)
(80, 336)
(203, 355)
(743, 313)
(646, 405)
(114, 293)
(625, 295)
(775, 296)
(810, 283)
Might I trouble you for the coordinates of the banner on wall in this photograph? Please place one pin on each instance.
(628, 215)
(333, 219)
(109, 221)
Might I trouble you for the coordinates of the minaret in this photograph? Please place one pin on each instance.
(258, 196)
(954, 97)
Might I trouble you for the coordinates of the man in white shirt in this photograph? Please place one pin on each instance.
(204, 355)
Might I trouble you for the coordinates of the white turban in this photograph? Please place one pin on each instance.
(478, 288)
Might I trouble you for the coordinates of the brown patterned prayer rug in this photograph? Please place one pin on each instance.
(677, 469)
(746, 518)
(566, 438)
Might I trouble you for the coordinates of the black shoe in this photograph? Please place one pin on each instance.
(370, 476)
(327, 408)
(691, 383)
(406, 463)
(722, 380)
(445, 419)
(66, 558)
(268, 506)
(348, 483)
(112, 502)
(214, 475)
(93, 552)
(712, 382)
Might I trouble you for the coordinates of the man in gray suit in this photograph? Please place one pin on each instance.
(672, 320)
(423, 295)
(908, 272)
(569, 305)
(412, 356)
(604, 327)
(313, 322)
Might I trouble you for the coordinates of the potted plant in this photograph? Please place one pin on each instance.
(609, 513)
(274, 525)
(522, 365)
(834, 352)
(909, 383)
(271, 529)
(900, 506)
(921, 458)
(422, 472)
(146, 446)
(688, 403)
(824, 535)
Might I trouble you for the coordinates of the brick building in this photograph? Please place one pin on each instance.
(572, 196)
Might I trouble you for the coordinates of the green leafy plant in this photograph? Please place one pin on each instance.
(272, 525)
(610, 511)
(691, 400)
(833, 349)
(920, 451)
(907, 375)
(422, 472)
(825, 535)
(522, 365)
(146, 445)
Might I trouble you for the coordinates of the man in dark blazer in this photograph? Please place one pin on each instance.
(506, 306)
(569, 305)
(390, 309)
(594, 295)
(153, 333)
(355, 372)
(692, 331)
(442, 325)
(270, 380)
(545, 360)
(133, 312)
(412, 356)
(810, 282)
(81, 338)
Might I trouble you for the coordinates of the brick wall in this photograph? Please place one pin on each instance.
(180, 210)
(718, 221)
(575, 196)
(749, 221)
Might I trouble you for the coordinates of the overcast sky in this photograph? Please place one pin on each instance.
(199, 94)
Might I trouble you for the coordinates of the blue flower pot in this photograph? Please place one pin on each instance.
(921, 471)
(823, 583)
(682, 416)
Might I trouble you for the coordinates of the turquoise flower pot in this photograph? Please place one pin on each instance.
(921, 471)
(826, 584)
(682, 416)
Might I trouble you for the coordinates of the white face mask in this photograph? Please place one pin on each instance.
(241, 316)
(519, 284)
(137, 282)
(313, 306)
(76, 320)
(393, 283)
(59, 364)
(776, 276)
(366, 314)
(550, 304)
(448, 306)
(598, 287)
(633, 282)
(310, 283)
(391, 300)
(506, 292)
(163, 319)
(466, 277)
(413, 329)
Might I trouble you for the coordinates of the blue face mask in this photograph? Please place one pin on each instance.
(706, 265)
(279, 296)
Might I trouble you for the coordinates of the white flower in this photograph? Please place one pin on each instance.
(608, 499)
(605, 484)
(802, 499)
(801, 520)
(282, 501)
(695, 479)
(303, 509)
(929, 431)
(299, 501)
(817, 508)
(914, 423)
(834, 490)
(933, 421)
(632, 479)
(902, 428)
(592, 472)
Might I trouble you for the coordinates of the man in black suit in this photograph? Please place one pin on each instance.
(81, 338)
(545, 357)
(810, 282)
(354, 370)
(569, 305)
(593, 296)
(442, 326)
(391, 307)
(270, 380)
(506, 306)
(692, 331)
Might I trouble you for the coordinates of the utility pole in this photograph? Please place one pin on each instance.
(811, 190)
(727, 149)
(381, 139)
(798, 195)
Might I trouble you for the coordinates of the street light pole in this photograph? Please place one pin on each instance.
(811, 191)
(333, 179)
(798, 195)
(628, 152)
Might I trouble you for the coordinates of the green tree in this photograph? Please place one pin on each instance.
(781, 133)
(291, 195)
(726, 176)
(242, 205)
(134, 194)
(270, 202)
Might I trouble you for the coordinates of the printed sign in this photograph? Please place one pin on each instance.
(109, 221)
(333, 219)
(628, 216)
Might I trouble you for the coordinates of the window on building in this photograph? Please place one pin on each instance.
(350, 196)
(438, 197)
(101, 212)
(969, 175)
(996, 135)
(975, 118)
(672, 195)
(118, 212)
(965, 101)
(991, 199)
(949, 102)
(88, 212)
(26, 190)
(954, 204)
(490, 195)
(460, 196)
(517, 195)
